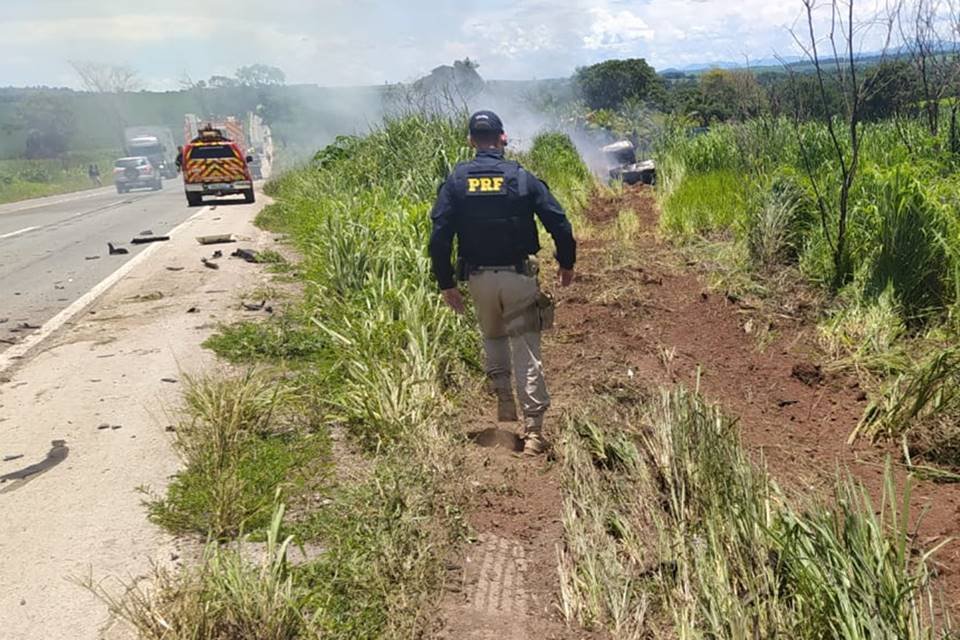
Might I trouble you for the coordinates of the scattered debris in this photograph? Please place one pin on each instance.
(59, 287)
(145, 240)
(174, 268)
(13, 457)
(247, 254)
(787, 403)
(193, 310)
(116, 426)
(217, 254)
(8, 341)
(249, 306)
(169, 380)
(208, 264)
(170, 428)
(222, 238)
(27, 326)
(148, 232)
(117, 251)
(103, 427)
(4, 320)
(92, 258)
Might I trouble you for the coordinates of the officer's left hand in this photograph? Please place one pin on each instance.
(454, 300)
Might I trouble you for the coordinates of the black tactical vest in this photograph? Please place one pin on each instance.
(494, 215)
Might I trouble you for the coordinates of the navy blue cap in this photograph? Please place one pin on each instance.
(483, 121)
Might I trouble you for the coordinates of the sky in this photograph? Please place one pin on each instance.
(364, 42)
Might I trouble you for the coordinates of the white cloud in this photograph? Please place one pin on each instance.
(372, 41)
(616, 30)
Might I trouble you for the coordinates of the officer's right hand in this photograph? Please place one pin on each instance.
(454, 300)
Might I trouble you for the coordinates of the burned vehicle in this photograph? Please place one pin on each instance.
(621, 163)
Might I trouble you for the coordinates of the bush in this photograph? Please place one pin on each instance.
(910, 255)
(556, 161)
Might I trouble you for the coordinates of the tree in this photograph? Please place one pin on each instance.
(609, 84)
(928, 29)
(895, 91)
(222, 82)
(727, 95)
(106, 78)
(799, 95)
(260, 75)
(49, 123)
(842, 67)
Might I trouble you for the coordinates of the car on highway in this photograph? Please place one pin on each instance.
(136, 172)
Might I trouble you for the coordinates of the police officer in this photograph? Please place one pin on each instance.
(489, 205)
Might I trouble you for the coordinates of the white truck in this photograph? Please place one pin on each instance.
(155, 143)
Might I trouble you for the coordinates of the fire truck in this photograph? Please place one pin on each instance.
(214, 165)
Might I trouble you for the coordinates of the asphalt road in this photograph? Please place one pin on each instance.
(54, 250)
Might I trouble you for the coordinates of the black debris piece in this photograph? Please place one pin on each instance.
(148, 232)
(145, 240)
(174, 268)
(208, 264)
(169, 380)
(217, 254)
(193, 310)
(249, 306)
(116, 251)
(92, 258)
(12, 458)
(27, 325)
(247, 254)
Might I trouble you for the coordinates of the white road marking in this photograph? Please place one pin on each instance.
(17, 232)
(15, 353)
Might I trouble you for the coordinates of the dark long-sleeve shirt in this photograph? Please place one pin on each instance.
(448, 215)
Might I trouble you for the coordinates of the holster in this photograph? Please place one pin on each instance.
(546, 307)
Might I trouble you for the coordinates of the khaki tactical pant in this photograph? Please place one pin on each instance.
(506, 303)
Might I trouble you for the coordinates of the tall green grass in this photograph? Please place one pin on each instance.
(671, 531)
(556, 161)
(383, 360)
(755, 185)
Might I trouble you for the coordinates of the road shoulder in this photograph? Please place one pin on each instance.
(84, 422)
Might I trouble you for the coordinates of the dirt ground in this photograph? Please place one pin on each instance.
(657, 322)
(84, 425)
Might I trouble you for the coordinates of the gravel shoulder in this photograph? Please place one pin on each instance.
(83, 426)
